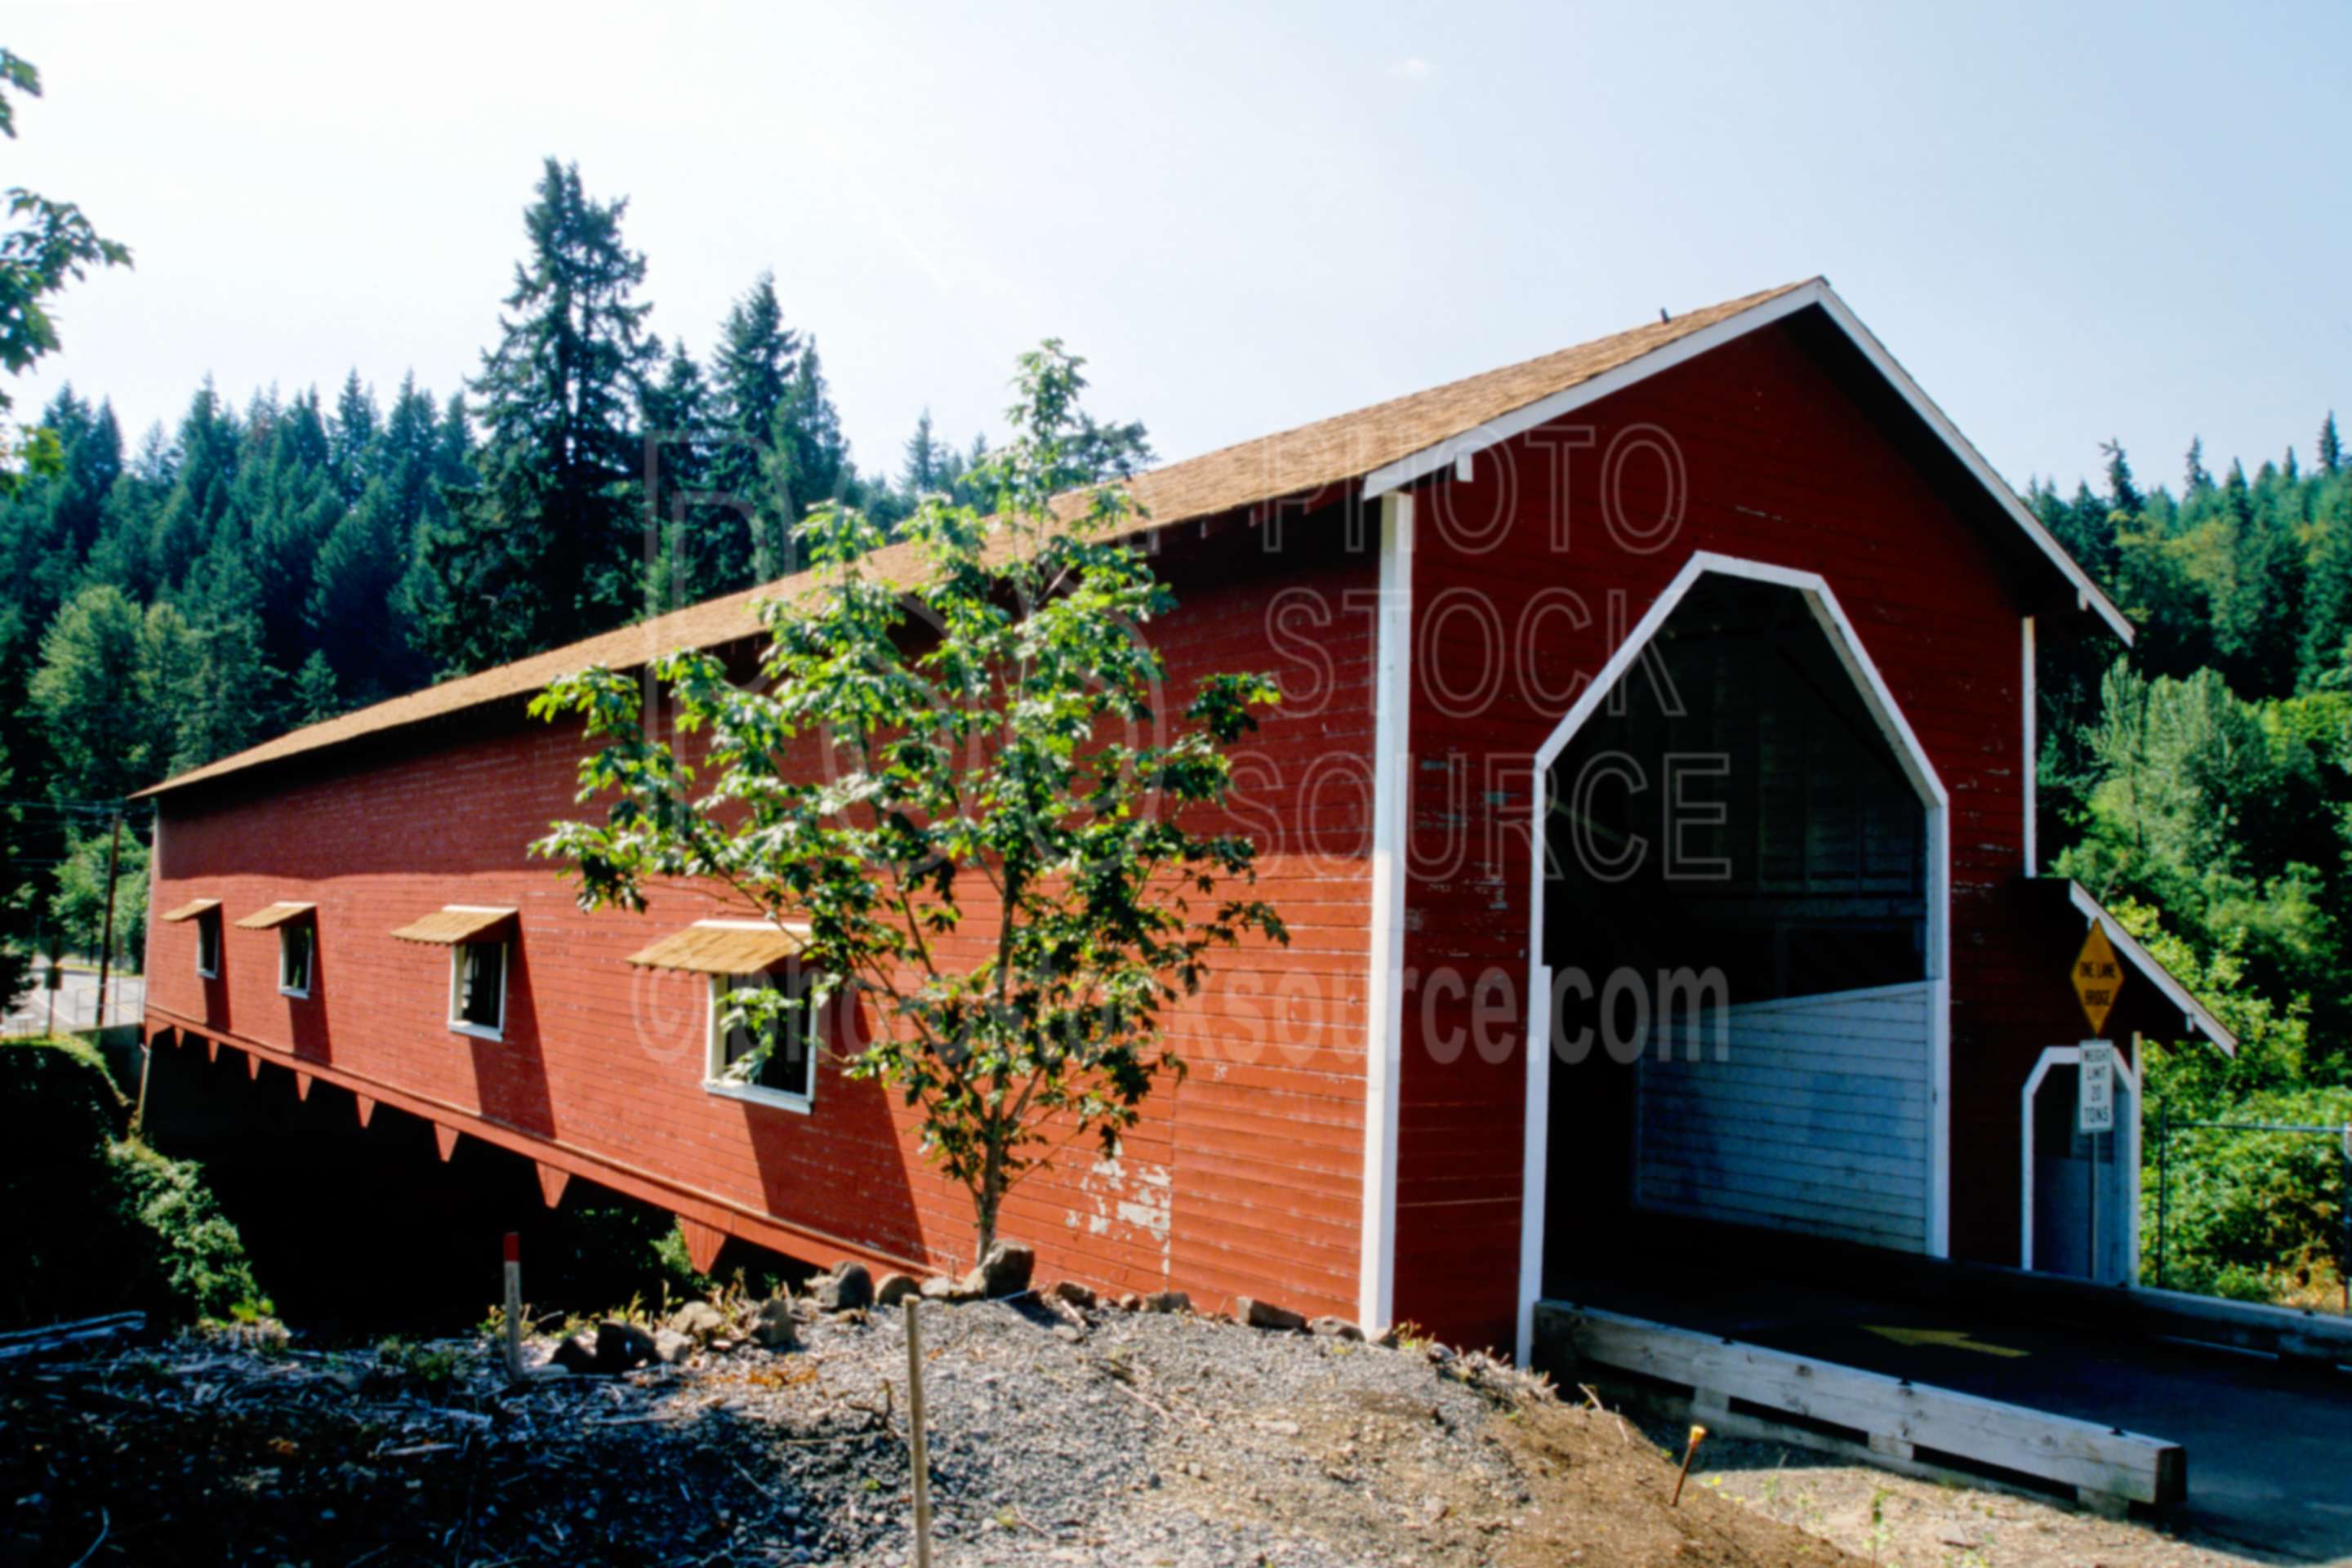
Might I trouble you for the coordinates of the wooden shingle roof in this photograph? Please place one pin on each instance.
(1401, 436)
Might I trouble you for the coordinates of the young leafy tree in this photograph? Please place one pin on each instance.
(1001, 853)
(49, 244)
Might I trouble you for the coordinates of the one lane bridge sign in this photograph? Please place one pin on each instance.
(2097, 975)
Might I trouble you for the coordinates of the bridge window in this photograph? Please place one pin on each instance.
(478, 988)
(205, 913)
(477, 937)
(296, 944)
(776, 1065)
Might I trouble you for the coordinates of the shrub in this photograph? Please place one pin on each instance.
(2250, 1215)
(92, 1221)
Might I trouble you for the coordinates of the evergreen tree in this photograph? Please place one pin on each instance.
(677, 418)
(203, 466)
(2331, 446)
(547, 545)
(315, 697)
(925, 469)
(357, 611)
(2123, 494)
(234, 702)
(2196, 479)
(752, 374)
(290, 502)
(352, 444)
(1121, 451)
(353, 607)
(809, 422)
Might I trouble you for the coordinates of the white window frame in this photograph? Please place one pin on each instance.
(309, 933)
(714, 1072)
(211, 920)
(458, 1023)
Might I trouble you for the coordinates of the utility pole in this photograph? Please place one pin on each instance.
(106, 943)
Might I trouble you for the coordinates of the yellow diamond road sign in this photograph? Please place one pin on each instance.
(2096, 976)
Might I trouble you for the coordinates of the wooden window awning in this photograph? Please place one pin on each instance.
(745, 949)
(193, 907)
(275, 915)
(454, 923)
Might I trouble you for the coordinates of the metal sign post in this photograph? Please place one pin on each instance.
(2095, 1116)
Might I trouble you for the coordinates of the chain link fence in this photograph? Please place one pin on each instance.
(2258, 1211)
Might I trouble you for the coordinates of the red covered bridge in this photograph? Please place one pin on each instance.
(1667, 700)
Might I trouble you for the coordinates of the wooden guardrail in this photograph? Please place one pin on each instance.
(2292, 1332)
(1749, 1391)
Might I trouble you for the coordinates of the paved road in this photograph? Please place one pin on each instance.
(2270, 1446)
(77, 1001)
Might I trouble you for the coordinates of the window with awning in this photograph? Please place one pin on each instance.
(776, 1064)
(477, 937)
(205, 912)
(272, 916)
(724, 947)
(454, 923)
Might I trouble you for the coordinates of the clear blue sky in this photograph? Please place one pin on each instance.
(2122, 220)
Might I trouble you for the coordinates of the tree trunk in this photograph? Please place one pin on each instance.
(986, 1198)
(983, 1203)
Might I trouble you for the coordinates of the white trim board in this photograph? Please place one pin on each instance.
(2028, 680)
(1384, 994)
(1450, 452)
(2213, 1029)
(1846, 643)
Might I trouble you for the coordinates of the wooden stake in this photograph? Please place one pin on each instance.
(514, 1306)
(1690, 1451)
(917, 1442)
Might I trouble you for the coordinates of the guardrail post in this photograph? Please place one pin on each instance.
(2163, 1182)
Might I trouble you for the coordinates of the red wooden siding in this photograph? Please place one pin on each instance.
(1780, 465)
(1244, 1179)
(1247, 1178)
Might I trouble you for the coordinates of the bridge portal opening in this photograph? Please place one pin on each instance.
(1740, 943)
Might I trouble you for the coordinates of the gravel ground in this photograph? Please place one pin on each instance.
(1101, 1438)
(1124, 1438)
(1904, 1522)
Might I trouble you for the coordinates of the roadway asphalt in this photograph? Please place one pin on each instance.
(2269, 1444)
(77, 1001)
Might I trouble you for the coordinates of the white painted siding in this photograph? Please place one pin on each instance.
(1815, 1119)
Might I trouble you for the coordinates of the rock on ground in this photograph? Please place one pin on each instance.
(1153, 1439)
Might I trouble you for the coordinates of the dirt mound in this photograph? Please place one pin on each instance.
(1133, 1439)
